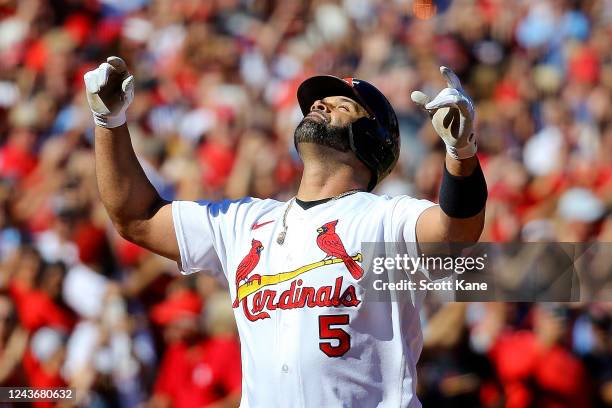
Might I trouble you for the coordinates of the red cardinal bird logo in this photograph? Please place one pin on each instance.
(247, 265)
(331, 244)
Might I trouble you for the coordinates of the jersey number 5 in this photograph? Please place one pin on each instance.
(326, 332)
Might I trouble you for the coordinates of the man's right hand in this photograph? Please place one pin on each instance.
(110, 90)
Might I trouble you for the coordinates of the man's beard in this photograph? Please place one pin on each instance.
(310, 131)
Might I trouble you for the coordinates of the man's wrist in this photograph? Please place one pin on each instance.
(461, 168)
(109, 122)
(464, 152)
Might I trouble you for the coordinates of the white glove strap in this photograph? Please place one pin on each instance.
(109, 122)
(465, 152)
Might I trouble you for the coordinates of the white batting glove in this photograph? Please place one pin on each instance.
(452, 116)
(110, 90)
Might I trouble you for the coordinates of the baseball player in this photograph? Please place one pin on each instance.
(294, 269)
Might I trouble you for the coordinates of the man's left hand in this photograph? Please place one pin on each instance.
(452, 116)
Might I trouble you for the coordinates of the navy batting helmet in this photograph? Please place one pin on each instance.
(374, 140)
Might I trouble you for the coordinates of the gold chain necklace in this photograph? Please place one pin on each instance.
(280, 240)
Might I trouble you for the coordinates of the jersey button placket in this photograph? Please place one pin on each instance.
(281, 264)
(289, 338)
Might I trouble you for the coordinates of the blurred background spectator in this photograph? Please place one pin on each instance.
(213, 117)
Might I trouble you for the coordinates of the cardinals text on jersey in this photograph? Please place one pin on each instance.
(297, 296)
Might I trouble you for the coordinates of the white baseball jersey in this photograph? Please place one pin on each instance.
(309, 338)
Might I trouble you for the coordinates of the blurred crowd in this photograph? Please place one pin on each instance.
(213, 117)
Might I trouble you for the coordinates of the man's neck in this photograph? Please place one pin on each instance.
(323, 180)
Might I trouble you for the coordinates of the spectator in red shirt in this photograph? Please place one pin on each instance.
(200, 367)
(43, 361)
(16, 157)
(41, 305)
(535, 369)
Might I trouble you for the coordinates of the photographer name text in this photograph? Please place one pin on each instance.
(424, 284)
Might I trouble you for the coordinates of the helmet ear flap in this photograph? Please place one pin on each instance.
(363, 141)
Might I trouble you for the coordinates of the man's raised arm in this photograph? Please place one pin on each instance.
(463, 193)
(134, 206)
